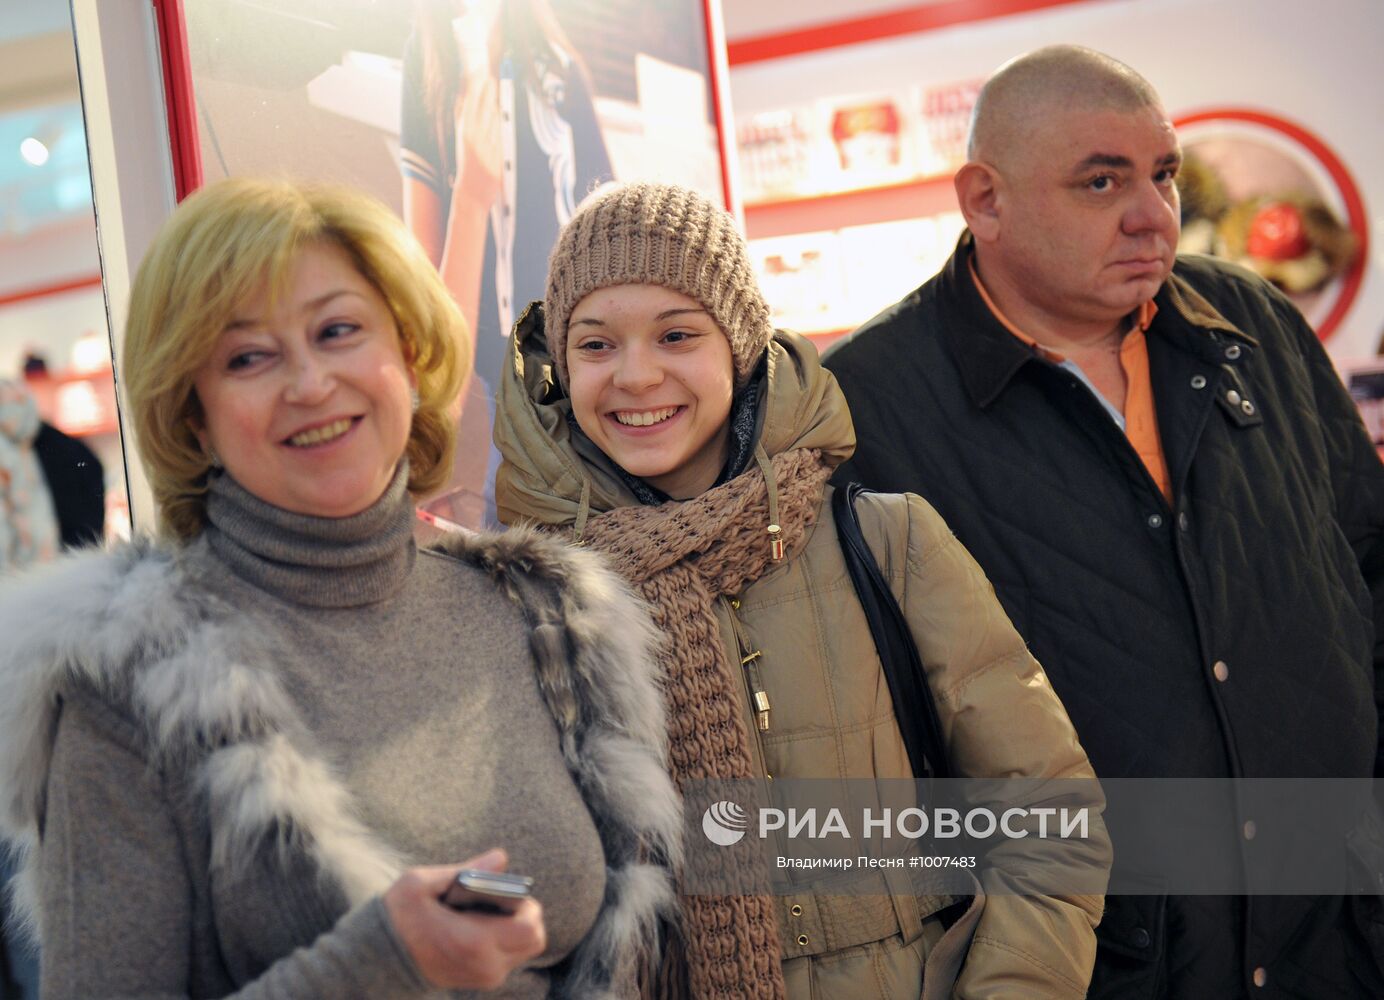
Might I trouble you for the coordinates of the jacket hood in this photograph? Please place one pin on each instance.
(547, 474)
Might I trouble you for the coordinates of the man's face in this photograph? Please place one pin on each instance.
(1088, 213)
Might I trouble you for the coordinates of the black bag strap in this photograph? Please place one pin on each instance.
(914, 706)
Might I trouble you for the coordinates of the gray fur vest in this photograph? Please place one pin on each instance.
(130, 624)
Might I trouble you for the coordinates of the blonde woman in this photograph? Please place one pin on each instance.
(247, 760)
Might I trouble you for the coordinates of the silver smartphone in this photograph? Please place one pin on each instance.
(480, 891)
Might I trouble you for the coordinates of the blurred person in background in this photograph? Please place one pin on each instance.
(29, 531)
(77, 482)
(74, 474)
(29, 534)
(242, 760)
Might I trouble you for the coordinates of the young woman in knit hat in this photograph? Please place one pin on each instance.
(247, 760)
(651, 412)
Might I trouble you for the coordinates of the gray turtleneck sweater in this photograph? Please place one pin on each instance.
(416, 684)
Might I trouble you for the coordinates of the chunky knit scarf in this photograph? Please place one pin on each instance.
(682, 556)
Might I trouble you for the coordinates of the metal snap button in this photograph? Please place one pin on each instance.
(1220, 671)
(1198, 381)
(1232, 352)
(1232, 397)
(1261, 976)
(1247, 408)
(1155, 520)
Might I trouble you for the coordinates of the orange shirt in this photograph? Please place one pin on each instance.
(1141, 420)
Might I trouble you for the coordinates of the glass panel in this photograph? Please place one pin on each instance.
(56, 384)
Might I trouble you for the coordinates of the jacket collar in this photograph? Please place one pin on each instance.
(1194, 325)
(988, 356)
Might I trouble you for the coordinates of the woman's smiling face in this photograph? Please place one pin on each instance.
(307, 404)
(650, 377)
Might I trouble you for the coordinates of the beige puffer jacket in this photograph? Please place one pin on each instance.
(831, 713)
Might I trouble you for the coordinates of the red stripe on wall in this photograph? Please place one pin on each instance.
(904, 21)
(43, 291)
(861, 207)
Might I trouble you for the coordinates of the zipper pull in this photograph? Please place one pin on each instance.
(775, 543)
(761, 698)
(761, 704)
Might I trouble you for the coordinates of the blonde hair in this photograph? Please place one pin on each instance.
(224, 244)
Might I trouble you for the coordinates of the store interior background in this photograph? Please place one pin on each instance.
(51, 304)
(847, 127)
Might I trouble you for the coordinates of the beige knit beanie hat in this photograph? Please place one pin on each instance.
(658, 234)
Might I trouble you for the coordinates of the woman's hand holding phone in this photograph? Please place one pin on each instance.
(462, 949)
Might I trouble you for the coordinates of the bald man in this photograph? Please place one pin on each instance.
(1173, 495)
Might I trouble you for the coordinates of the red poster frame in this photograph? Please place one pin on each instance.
(716, 45)
(181, 106)
(179, 103)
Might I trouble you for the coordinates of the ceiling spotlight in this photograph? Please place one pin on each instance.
(35, 153)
